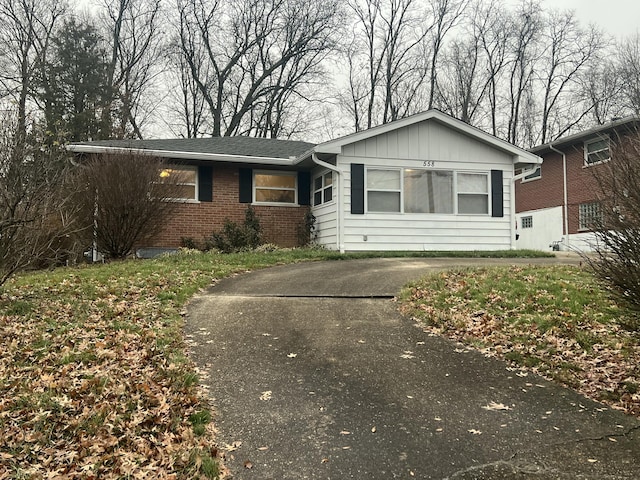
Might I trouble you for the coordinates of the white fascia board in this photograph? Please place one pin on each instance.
(213, 157)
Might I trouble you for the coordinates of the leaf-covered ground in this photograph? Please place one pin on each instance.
(557, 321)
(94, 382)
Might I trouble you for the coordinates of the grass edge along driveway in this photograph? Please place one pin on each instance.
(557, 321)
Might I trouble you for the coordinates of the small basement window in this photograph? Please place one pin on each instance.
(275, 187)
(323, 188)
(590, 215)
(181, 182)
(527, 222)
(596, 151)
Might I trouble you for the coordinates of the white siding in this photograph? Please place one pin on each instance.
(409, 147)
(326, 216)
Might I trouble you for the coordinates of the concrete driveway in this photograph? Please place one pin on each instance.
(314, 375)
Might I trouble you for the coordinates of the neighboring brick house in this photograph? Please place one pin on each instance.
(425, 182)
(556, 204)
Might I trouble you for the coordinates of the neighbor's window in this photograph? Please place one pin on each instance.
(181, 182)
(527, 222)
(590, 214)
(428, 191)
(383, 190)
(473, 193)
(596, 151)
(275, 187)
(323, 188)
(537, 173)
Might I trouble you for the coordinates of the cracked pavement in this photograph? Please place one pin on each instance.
(313, 374)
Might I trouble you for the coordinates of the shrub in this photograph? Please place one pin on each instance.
(235, 238)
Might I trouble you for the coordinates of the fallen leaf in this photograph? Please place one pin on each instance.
(344, 432)
(496, 406)
(266, 396)
(248, 465)
(373, 430)
(474, 431)
(262, 449)
(325, 460)
(592, 460)
(292, 355)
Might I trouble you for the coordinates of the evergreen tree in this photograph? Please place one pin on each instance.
(74, 89)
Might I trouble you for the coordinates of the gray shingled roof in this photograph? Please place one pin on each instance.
(242, 146)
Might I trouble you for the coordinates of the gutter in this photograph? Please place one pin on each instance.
(219, 157)
(564, 193)
(340, 212)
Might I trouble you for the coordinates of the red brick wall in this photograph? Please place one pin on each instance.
(548, 190)
(198, 220)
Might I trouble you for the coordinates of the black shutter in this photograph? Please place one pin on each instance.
(205, 183)
(497, 207)
(304, 188)
(246, 185)
(357, 188)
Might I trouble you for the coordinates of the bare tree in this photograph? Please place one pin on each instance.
(601, 87)
(26, 27)
(570, 51)
(629, 69)
(446, 14)
(135, 46)
(125, 200)
(250, 58)
(524, 50)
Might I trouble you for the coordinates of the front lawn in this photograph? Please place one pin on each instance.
(557, 321)
(94, 377)
(94, 380)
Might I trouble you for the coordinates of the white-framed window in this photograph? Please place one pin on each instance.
(597, 151)
(182, 180)
(590, 214)
(384, 190)
(535, 175)
(275, 187)
(427, 191)
(527, 222)
(323, 188)
(473, 193)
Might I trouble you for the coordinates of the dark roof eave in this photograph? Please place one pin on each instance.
(584, 135)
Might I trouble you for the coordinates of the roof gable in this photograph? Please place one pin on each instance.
(520, 155)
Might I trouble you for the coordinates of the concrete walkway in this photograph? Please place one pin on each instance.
(315, 375)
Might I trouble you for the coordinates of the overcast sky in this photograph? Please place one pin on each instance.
(617, 17)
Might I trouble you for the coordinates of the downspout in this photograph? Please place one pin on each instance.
(340, 212)
(565, 195)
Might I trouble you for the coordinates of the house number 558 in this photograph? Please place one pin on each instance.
(428, 163)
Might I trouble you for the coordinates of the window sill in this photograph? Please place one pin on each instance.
(594, 164)
(274, 204)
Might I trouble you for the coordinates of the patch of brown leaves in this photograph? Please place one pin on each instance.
(88, 389)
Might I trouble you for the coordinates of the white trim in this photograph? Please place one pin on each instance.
(533, 179)
(217, 157)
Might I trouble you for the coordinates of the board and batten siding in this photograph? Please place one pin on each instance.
(409, 147)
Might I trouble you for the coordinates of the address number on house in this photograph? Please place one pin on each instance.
(429, 163)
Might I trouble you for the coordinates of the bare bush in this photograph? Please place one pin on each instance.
(34, 219)
(125, 200)
(616, 221)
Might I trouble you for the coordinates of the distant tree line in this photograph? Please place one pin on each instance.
(307, 68)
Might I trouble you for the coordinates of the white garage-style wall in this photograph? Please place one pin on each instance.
(389, 169)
